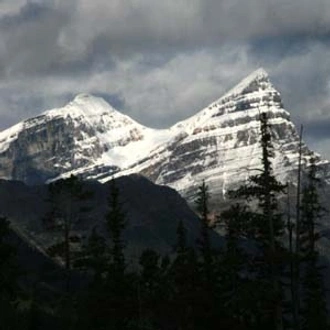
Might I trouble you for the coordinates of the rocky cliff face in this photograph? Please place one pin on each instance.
(62, 140)
(220, 144)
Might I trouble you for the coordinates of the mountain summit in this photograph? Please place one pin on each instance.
(257, 79)
(220, 144)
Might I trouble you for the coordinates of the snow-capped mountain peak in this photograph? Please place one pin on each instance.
(220, 144)
(90, 107)
(253, 92)
(256, 81)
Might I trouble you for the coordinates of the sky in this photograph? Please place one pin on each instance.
(163, 61)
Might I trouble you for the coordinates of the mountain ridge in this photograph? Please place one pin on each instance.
(219, 144)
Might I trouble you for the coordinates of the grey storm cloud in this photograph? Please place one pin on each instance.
(185, 22)
(46, 34)
(162, 61)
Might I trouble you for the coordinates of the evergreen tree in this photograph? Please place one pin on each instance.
(94, 259)
(8, 267)
(234, 266)
(111, 296)
(149, 290)
(65, 197)
(116, 223)
(208, 286)
(313, 292)
(164, 308)
(10, 293)
(267, 228)
(122, 305)
(296, 256)
(7, 280)
(186, 283)
(311, 212)
(204, 242)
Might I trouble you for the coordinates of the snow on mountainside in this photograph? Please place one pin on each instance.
(220, 144)
(85, 133)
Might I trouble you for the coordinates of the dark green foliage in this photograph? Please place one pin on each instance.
(149, 290)
(120, 285)
(94, 256)
(186, 283)
(111, 300)
(233, 262)
(9, 291)
(267, 224)
(238, 287)
(8, 266)
(116, 222)
(262, 225)
(311, 213)
(314, 313)
(313, 302)
(209, 282)
(181, 244)
(255, 281)
(65, 212)
(204, 242)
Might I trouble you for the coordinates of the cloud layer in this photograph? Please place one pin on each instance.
(161, 61)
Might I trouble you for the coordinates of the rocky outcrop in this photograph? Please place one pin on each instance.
(221, 144)
(63, 140)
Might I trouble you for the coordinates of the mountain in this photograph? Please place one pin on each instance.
(79, 135)
(152, 221)
(152, 216)
(220, 144)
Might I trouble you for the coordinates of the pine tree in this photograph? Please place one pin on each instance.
(313, 292)
(208, 287)
(234, 265)
(295, 255)
(66, 209)
(8, 267)
(116, 223)
(149, 290)
(204, 242)
(94, 257)
(94, 260)
(65, 197)
(111, 301)
(186, 282)
(121, 306)
(267, 228)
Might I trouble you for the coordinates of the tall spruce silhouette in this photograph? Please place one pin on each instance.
(236, 295)
(207, 292)
(122, 305)
(149, 290)
(65, 197)
(313, 302)
(116, 223)
(184, 272)
(267, 229)
(204, 242)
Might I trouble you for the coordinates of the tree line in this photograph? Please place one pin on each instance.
(267, 275)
